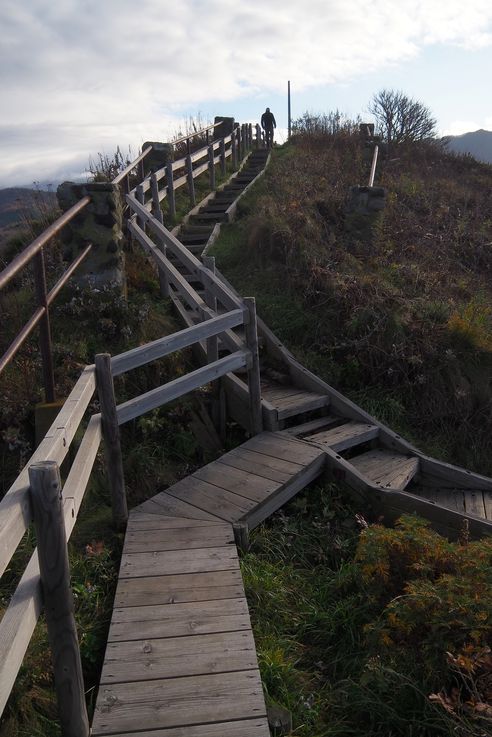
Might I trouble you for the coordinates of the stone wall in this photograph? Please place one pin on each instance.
(100, 223)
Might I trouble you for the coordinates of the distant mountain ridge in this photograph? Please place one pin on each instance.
(17, 202)
(477, 143)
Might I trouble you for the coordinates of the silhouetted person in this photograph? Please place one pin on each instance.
(268, 124)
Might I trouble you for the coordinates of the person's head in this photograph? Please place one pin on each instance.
(267, 110)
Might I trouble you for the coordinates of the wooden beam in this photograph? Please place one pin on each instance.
(112, 444)
(144, 354)
(59, 608)
(177, 388)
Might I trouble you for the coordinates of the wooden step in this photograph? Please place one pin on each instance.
(290, 400)
(346, 436)
(386, 469)
(322, 423)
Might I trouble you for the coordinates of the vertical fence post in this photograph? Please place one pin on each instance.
(163, 280)
(254, 386)
(234, 149)
(46, 498)
(44, 327)
(170, 189)
(111, 435)
(156, 205)
(140, 196)
(222, 157)
(191, 181)
(250, 135)
(211, 166)
(141, 171)
(211, 301)
(258, 135)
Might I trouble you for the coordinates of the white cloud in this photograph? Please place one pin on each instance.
(80, 75)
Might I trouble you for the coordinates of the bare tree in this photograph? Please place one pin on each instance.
(399, 118)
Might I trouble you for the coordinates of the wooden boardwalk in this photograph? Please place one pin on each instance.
(181, 658)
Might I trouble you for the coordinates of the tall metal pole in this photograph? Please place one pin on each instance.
(288, 108)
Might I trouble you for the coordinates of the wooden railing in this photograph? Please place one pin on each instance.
(16, 508)
(175, 175)
(164, 182)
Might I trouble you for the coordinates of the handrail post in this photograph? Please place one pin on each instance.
(46, 498)
(211, 166)
(163, 278)
(140, 196)
(170, 189)
(191, 181)
(250, 135)
(222, 157)
(211, 301)
(258, 135)
(254, 386)
(234, 149)
(373, 166)
(156, 205)
(111, 435)
(44, 327)
(141, 171)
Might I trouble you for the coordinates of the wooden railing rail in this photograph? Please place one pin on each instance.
(162, 183)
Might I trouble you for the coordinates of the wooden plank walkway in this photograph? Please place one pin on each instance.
(181, 658)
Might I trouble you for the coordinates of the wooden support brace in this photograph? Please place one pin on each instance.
(211, 166)
(222, 157)
(111, 435)
(191, 181)
(241, 536)
(254, 387)
(234, 149)
(46, 497)
(170, 189)
(211, 301)
(140, 196)
(156, 205)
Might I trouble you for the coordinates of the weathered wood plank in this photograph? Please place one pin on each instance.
(164, 346)
(51, 537)
(179, 588)
(451, 499)
(474, 503)
(176, 620)
(248, 728)
(188, 700)
(261, 465)
(172, 562)
(286, 492)
(182, 538)
(282, 447)
(387, 469)
(244, 483)
(309, 427)
(487, 503)
(167, 504)
(345, 436)
(173, 657)
(151, 522)
(224, 504)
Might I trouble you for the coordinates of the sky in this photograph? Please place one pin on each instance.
(78, 77)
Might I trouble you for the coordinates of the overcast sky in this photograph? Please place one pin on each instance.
(82, 76)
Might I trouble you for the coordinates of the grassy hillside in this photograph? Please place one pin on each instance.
(363, 630)
(393, 309)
